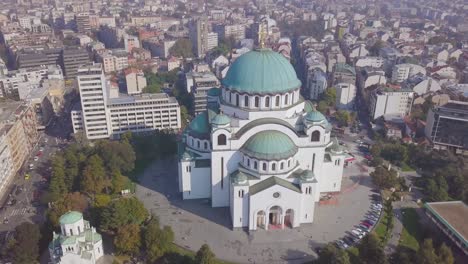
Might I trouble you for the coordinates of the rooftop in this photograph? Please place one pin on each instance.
(273, 180)
(453, 215)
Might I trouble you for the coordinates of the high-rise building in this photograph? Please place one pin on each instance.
(91, 83)
(200, 84)
(83, 24)
(198, 32)
(105, 113)
(73, 59)
(447, 126)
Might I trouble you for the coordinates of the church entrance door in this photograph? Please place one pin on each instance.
(274, 216)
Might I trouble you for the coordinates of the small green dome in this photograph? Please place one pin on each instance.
(269, 145)
(199, 125)
(315, 116)
(221, 119)
(307, 175)
(261, 72)
(70, 218)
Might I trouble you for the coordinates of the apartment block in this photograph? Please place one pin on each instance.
(135, 80)
(72, 60)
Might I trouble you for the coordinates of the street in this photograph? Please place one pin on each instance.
(21, 202)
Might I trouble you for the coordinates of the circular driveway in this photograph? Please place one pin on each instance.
(194, 222)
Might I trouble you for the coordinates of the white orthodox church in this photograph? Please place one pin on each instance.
(260, 148)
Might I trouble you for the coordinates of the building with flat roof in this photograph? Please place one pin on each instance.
(447, 126)
(105, 113)
(450, 217)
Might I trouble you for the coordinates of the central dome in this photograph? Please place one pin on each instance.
(261, 72)
(269, 145)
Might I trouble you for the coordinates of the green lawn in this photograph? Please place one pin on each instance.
(412, 231)
(381, 228)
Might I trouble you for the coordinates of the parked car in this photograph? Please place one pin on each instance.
(356, 233)
(371, 222)
(349, 240)
(364, 227)
(341, 244)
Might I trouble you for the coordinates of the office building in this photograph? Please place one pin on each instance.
(198, 85)
(72, 60)
(345, 96)
(401, 72)
(135, 80)
(385, 100)
(447, 126)
(105, 113)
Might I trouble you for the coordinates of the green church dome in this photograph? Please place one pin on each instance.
(261, 72)
(269, 145)
(70, 218)
(221, 119)
(315, 116)
(199, 125)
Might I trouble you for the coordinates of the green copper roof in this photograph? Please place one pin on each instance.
(261, 72)
(315, 116)
(70, 218)
(221, 119)
(308, 106)
(335, 147)
(345, 68)
(265, 184)
(269, 145)
(214, 92)
(199, 125)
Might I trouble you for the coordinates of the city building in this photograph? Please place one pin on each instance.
(262, 150)
(385, 100)
(345, 96)
(344, 73)
(402, 72)
(447, 126)
(72, 60)
(131, 42)
(226, 31)
(198, 33)
(369, 61)
(198, 84)
(135, 80)
(316, 83)
(78, 241)
(104, 113)
(212, 41)
(450, 218)
(83, 23)
(113, 60)
(18, 136)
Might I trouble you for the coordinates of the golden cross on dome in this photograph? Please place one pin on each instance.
(262, 35)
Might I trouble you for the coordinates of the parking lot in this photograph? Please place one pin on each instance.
(194, 222)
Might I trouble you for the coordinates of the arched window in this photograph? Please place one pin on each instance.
(237, 100)
(255, 165)
(248, 162)
(264, 166)
(282, 166)
(273, 166)
(222, 140)
(277, 100)
(267, 101)
(257, 101)
(292, 97)
(289, 163)
(315, 136)
(286, 99)
(198, 144)
(246, 101)
(206, 145)
(230, 97)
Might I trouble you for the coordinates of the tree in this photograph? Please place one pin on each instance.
(128, 239)
(331, 254)
(25, 248)
(157, 241)
(57, 186)
(343, 117)
(184, 115)
(72, 168)
(445, 255)
(152, 88)
(182, 48)
(121, 212)
(70, 202)
(119, 182)
(322, 106)
(117, 155)
(329, 96)
(426, 253)
(94, 176)
(371, 251)
(205, 256)
(384, 178)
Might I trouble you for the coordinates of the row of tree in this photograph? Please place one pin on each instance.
(370, 251)
(445, 174)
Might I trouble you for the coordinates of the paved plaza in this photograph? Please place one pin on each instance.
(194, 222)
